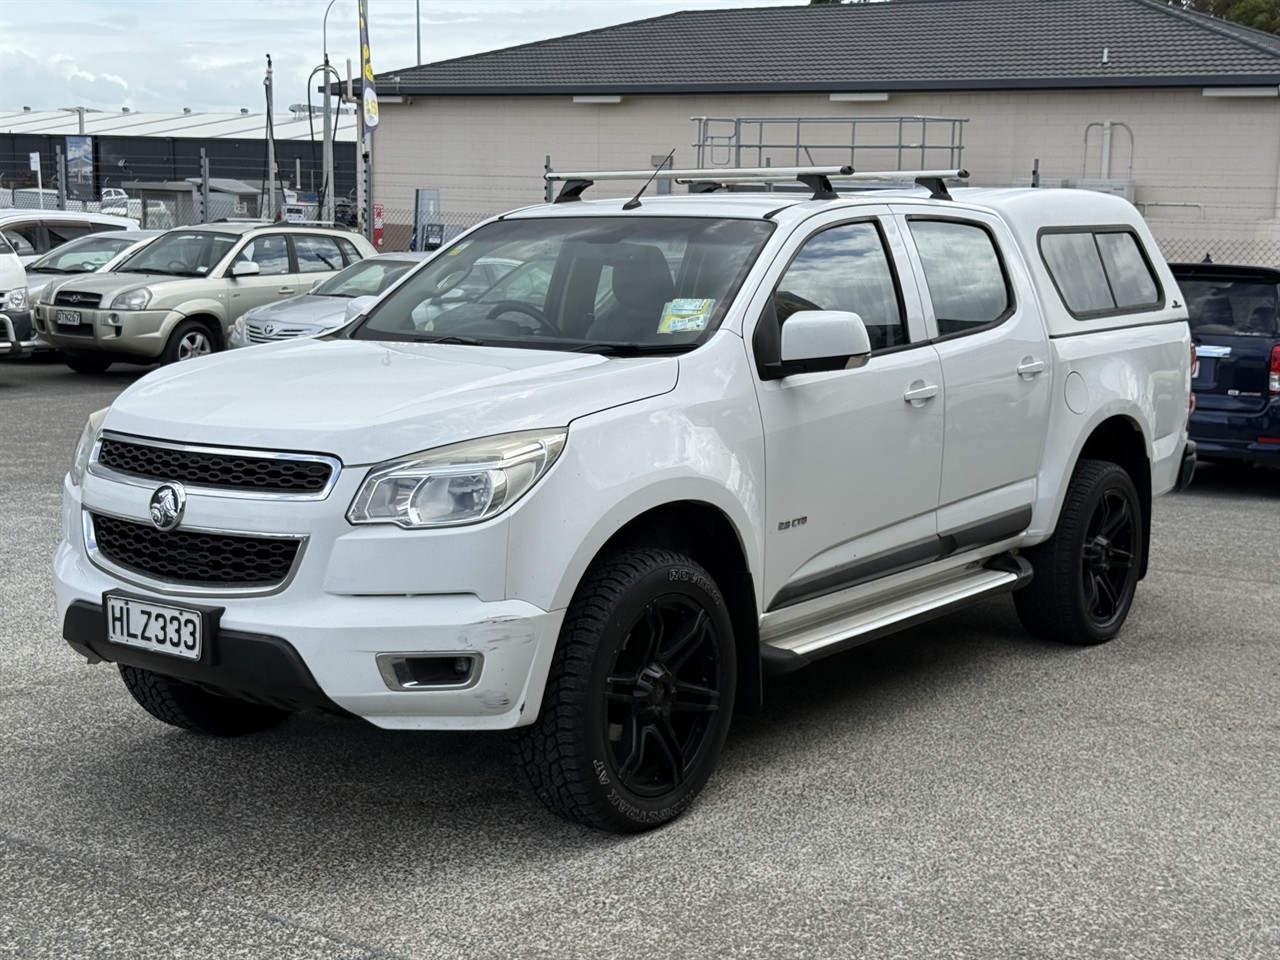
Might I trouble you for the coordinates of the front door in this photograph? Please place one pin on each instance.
(852, 465)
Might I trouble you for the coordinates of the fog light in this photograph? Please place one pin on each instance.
(409, 671)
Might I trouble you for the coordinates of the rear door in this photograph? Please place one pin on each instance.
(275, 280)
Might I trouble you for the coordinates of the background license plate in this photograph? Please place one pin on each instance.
(155, 627)
(69, 318)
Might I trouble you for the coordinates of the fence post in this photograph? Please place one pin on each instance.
(204, 186)
(60, 168)
(546, 184)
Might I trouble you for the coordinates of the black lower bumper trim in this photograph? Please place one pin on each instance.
(1188, 468)
(246, 666)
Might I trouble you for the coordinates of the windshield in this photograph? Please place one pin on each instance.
(606, 284)
(181, 253)
(368, 278)
(82, 256)
(1224, 307)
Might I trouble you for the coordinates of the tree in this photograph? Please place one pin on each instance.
(1260, 14)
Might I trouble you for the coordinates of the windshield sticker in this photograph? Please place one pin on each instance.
(458, 249)
(686, 316)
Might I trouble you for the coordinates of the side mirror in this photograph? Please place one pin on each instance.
(245, 268)
(317, 283)
(357, 306)
(822, 340)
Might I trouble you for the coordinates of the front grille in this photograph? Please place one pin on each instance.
(231, 471)
(194, 558)
(86, 301)
(257, 333)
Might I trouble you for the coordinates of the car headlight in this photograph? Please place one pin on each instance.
(131, 300)
(18, 299)
(84, 448)
(463, 483)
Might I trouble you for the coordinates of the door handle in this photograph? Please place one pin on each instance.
(919, 392)
(290, 290)
(1029, 367)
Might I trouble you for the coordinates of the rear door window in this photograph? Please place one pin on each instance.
(966, 278)
(317, 254)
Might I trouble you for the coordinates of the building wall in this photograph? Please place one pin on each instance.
(1203, 168)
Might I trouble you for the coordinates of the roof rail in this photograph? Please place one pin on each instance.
(818, 179)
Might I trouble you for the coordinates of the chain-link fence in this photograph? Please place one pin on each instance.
(1186, 250)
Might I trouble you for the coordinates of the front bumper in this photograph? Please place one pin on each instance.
(17, 334)
(355, 594)
(140, 334)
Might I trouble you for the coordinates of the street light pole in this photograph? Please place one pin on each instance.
(327, 208)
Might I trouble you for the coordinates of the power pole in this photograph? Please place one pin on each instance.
(271, 146)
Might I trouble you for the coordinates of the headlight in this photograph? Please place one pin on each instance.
(132, 300)
(463, 483)
(18, 299)
(84, 449)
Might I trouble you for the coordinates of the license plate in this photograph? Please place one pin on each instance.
(68, 318)
(158, 627)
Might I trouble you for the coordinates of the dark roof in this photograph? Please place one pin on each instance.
(893, 46)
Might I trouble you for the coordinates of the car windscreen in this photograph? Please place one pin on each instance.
(368, 278)
(1219, 307)
(606, 284)
(181, 253)
(82, 256)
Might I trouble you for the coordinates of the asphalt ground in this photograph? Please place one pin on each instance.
(956, 791)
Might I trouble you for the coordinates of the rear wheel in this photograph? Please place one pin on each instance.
(185, 705)
(86, 364)
(190, 339)
(639, 695)
(1087, 572)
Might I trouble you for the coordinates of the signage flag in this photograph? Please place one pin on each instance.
(370, 95)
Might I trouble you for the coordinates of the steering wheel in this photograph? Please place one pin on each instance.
(176, 265)
(515, 306)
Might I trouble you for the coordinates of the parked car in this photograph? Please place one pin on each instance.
(178, 297)
(1232, 311)
(33, 233)
(15, 304)
(95, 253)
(796, 424)
(327, 305)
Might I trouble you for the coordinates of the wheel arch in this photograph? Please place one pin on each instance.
(1119, 439)
(210, 322)
(704, 533)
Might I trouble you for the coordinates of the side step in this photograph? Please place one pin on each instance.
(1001, 574)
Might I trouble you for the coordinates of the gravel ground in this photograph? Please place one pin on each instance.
(957, 791)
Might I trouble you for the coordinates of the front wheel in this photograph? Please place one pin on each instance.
(185, 705)
(639, 695)
(1087, 572)
(190, 339)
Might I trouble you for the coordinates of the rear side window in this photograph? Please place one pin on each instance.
(349, 250)
(966, 278)
(316, 254)
(1100, 272)
(60, 231)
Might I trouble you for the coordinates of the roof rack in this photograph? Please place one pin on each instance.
(818, 179)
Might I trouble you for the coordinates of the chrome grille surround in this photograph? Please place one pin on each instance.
(218, 471)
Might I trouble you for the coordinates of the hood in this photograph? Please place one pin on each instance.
(329, 312)
(109, 283)
(366, 402)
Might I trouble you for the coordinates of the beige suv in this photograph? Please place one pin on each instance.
(178, 297)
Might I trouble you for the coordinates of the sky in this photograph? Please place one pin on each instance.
(210, 55)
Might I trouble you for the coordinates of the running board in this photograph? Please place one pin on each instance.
(1000, 575)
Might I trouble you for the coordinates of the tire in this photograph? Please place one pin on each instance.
(1087, 572)
(190, 339)
(639, 695)
(86, 364)
(185, 705)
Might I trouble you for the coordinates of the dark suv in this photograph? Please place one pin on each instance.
(1236, 379)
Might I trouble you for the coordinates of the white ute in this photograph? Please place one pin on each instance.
(694, 439)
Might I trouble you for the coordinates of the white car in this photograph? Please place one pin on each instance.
(33, 233)
(16, 335)
(730, 434)
(327, 305)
